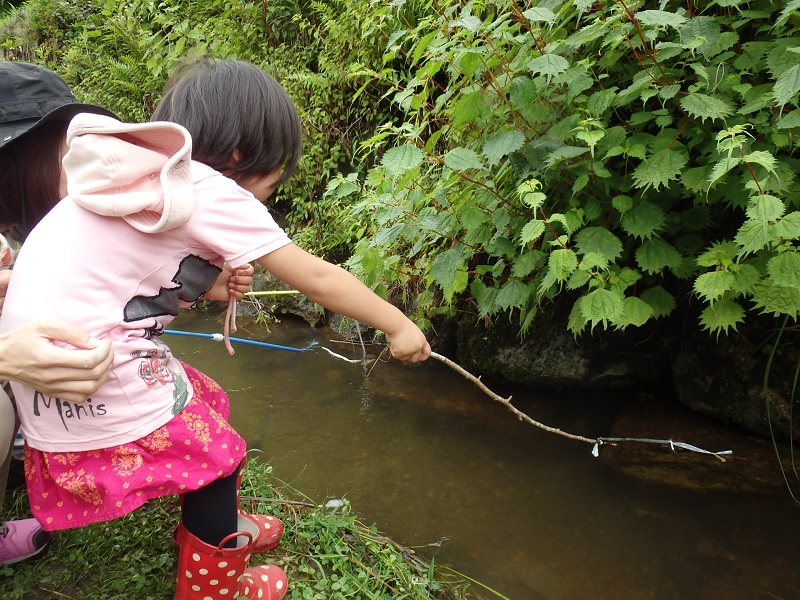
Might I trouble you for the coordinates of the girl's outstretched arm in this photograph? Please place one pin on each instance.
(341, 292)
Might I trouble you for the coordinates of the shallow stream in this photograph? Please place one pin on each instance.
(443, 469)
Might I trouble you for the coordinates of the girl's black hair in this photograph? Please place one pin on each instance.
(242, 121)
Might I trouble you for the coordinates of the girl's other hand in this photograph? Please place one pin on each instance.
(231, 283)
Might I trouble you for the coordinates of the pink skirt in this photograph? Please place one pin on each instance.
(72, 489)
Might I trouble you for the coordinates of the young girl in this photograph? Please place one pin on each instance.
(142, 233)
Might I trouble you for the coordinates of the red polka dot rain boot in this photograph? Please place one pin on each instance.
(207, 572)
(270, 528)
(270, 531)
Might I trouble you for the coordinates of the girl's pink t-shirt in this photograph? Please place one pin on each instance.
(101, 275)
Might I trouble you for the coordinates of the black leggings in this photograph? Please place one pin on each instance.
(211, 512)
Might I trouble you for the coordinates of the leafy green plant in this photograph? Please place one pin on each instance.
(611, 162)
(615, 159)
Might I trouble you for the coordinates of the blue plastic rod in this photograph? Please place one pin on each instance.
(218, 338)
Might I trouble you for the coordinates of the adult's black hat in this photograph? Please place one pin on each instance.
(31, 95)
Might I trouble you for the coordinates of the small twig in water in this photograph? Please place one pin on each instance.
(377, 359)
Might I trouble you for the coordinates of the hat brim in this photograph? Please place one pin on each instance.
(11, 132)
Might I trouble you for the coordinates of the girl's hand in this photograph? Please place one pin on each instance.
(409, 344)
(231, 284)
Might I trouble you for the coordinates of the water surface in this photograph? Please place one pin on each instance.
(441, 468)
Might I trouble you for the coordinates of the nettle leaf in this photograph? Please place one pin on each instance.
(661, 18)
(561, 263)
(636, 312)
(564, 153)
(469, 109)
(694, 179)
(599, 240)
(624, 279)
(785, 269)
(386, 236)
(401, 159)
(787, 10)
(576, 321)
(765, 159)
(598, 103)
(660, 168)
(721, 168)
(777, 299)
(714, 285)
(787, 86)
(643, 220)
(470, 23)
(752, 237)
(501, 145)
(790, 120)
(462, 159)
(445, 265)
(701, 33)
(578, 279)
(722, 315)
(602, 306)
(514, 294)
(485, 296)
(765, 208)
(571, 220)
(660, 300)
(745, 276)
(525, 263)
(655, 254)
(531, 231)
(587, 34)
(538, 13)
(705, 107)
(622, 203)
(718, 254)
(548, 65)
(593, 260)
(788, 228)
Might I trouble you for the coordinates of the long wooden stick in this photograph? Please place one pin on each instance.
(597, 442)
(507, 401)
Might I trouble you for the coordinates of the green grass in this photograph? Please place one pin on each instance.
(327, 553)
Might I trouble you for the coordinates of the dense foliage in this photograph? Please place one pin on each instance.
(612, 161)
(615, 158)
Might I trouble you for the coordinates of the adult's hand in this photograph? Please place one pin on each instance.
(29, 356)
